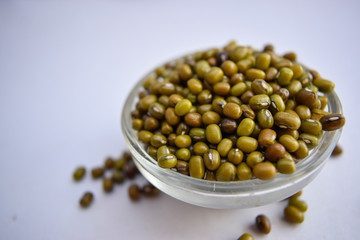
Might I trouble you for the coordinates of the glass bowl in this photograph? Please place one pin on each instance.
(228, 195)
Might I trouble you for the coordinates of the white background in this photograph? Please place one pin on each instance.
(66, 68)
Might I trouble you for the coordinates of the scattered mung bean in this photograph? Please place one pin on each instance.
(130, 170)
(337, 151)
(86, 199)
(79, 173)
(149, 190)
(293, 214)
(246, 236)
(107, 184)
(263, 224)
(299, 204)
(97, 172)
(109, 163)
(118, 176)
(134, 192)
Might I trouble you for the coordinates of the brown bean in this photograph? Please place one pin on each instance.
(332, 122)
(171, 117)
(274, 152)
(232, 110)
(182, 167)
(247, 111)
(131, 170)
(150, 123)
(204, 97)
(306, 97)
(266, 137)
(283, 93)
(217, 105)
(174, 99)
(245, 97)
(134, 192)
(271, 74)
(149, 190)
(337, 151)
(263, 224)
(237, 78)
(109, 163)
(193, 119)
(228, 125)
(222, 88)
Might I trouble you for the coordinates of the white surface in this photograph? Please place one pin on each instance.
(65, 70)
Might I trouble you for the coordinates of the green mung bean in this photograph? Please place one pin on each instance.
(235, 156)
(247, 144)
(293, 214)
(260, 101)
(246, 236)
(224, 147)
(254, 158)
(214, 75)
(211, 159)
(79, 173)
(246, 127)
(107, 184)
(299, 204)
(97, 172)
(286, 166)
(196, 167)
(243, 172)
(86, 199)
(265, 118)
(167, 161)
(263, 61)
(213, 134)
(226, 172)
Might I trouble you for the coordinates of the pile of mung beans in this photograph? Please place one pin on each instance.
(118, 170)
(233, 113)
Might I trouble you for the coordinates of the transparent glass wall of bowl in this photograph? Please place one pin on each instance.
(227, 195)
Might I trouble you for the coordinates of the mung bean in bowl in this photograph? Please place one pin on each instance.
(232, 127)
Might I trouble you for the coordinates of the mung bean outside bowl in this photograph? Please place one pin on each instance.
(234, 194)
